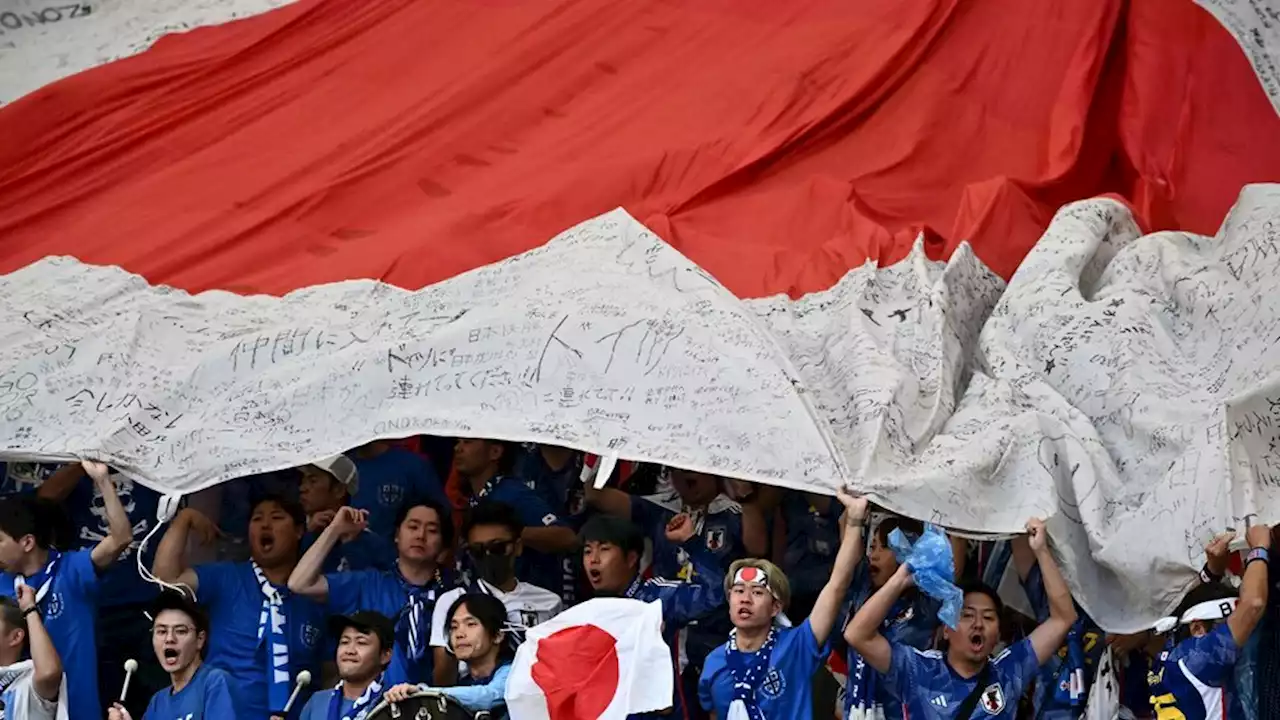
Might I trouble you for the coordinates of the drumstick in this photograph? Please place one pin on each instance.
(304, 679)
(130, 667)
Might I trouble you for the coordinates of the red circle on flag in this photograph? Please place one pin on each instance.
(749, 574)
(577, 670)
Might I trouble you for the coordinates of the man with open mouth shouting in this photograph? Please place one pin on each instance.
(262, 651)
(180, 636)
(611, 551)
(765, 670)
(934, 686)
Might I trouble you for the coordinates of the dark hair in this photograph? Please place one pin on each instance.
(12, 615)
(289, 505)
(46, 521)
(620, 533)
(179, 601)
(1205, 592)
(983, 589)
(491, 512)
(446, 517)
(913, 529)
(492, 614)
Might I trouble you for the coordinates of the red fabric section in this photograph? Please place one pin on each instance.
(776, 144)
(577, 669)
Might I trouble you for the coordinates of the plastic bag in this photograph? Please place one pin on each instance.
(932, 568)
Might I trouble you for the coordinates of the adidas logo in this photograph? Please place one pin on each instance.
(940, 701)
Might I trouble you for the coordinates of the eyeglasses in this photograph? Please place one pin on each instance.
(179, 632)
(496, 547)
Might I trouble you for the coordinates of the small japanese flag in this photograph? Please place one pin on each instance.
(602, 659)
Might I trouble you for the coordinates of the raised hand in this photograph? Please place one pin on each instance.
(400, 693)
(26, 597)
(117, 712)
(96, 470)
(319, 521)
(1217, 553)
(205, 530)
(349, 522)
(1259, 536)
(680, 529)
(855, 506)
(1037, 536)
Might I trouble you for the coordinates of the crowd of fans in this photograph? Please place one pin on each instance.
(776, 604)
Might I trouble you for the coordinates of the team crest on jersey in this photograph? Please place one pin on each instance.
(390, 494)
(529, 618)
(310, 635)
(715, 538)
(54, 608)
(993, 699)
(774, 684)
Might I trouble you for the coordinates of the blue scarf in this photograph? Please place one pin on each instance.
(362, 705)
(414, 622)
(273, 629)
(747, 669)
(863, 682)
(42, 581)
(634, 587)
(487, 488)
(1069, 691)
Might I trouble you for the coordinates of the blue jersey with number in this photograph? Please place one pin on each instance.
(929, 689)
(1193, 679)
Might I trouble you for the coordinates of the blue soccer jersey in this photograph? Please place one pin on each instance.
(1192, 680)
(929, 689)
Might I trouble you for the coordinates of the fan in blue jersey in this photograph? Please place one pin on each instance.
(389, 476)
(485, 466)
(364, 651)
(611, 551)
(179, 635)
(408, 592)
(765, 670)
(966, 679)
(66, 583)
(261, 634)
(33, 688)
(1192, 674)
(325, 487)
(913, 620)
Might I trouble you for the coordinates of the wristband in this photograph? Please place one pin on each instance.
(1258, 553)
(32, 609)
(1209, 577)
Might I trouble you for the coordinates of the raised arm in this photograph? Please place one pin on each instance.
(170, 563)
(863, 631)
(1253, 590)
(61, 483)
(1050, 634)
(755, 531)
(827, 607)
(47, 680)
(683, 602)
(550, 538)
(120, 532)
(610, 501)
(307, 578)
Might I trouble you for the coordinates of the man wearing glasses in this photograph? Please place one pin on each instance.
(179, 635)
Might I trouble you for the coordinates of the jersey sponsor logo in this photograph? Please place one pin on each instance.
(715, 538)
(993, 699)
(310, 635)
(774, 684)
(53, 609)
(390, 494)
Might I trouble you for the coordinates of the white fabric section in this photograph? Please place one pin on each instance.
(1214, 698)
(20, 697)
(1127, 388)
(46, 40)
(1104, 693)
(527, 605)
(645, 680)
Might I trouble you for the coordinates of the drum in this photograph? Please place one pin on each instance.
(421, 706)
